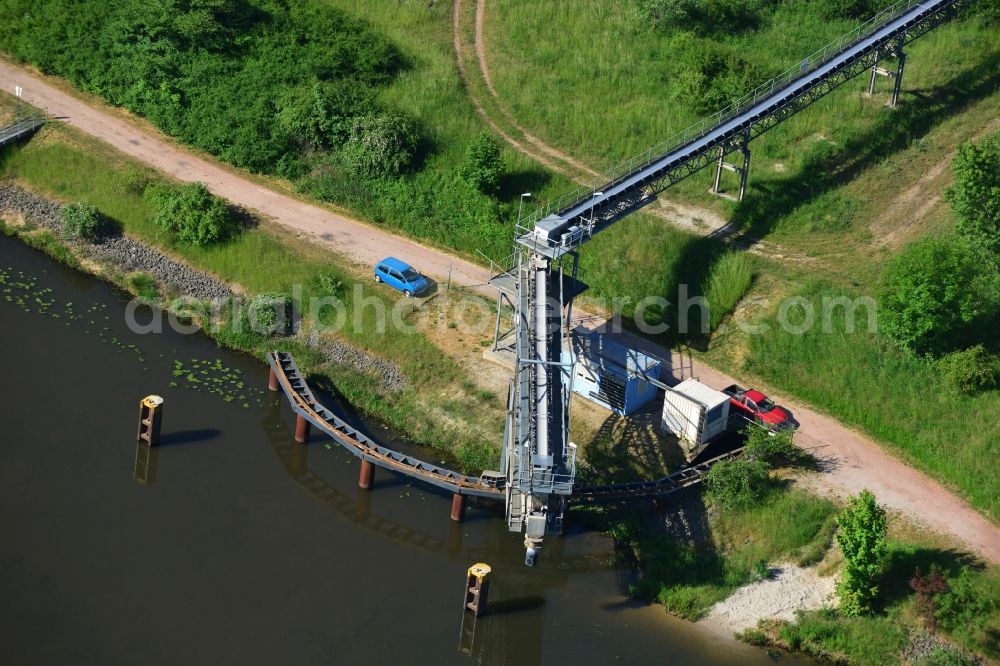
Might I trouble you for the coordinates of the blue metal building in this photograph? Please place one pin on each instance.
(611, 374)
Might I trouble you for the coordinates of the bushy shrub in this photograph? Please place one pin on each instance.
(191, 214)
(772, 448)
(971, 370)
(931, 293)
(702, 16)
(665, 14)
(854, 9)
(926, 588)
(966, 605)
(738, 483)
(483, 164)
(81, 220)
(710, 76)
(143, 285)
(988, 10)
(269, 314)
(379, 146)
(861, 535)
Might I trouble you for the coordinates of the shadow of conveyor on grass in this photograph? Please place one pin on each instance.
(631, 448)
(771, 198)
(668, 541)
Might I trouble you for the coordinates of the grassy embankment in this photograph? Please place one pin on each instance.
(725, 548)
(845, 183)
(879, 638)
(434, 411)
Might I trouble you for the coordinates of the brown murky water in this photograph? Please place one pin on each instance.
(230, 545)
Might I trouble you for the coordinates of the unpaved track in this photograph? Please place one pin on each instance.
(696, 220)
(485, 69)
(854, 461)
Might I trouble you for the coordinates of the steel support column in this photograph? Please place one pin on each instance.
(745, 172)
(718, 169)
(900, 62)
(302, 429)
(365, 475)
(871, 82)
(457, 507)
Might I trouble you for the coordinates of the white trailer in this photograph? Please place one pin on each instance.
(695, 414)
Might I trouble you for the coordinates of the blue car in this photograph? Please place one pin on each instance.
(400, 275)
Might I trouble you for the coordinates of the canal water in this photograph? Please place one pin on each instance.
(229, 544)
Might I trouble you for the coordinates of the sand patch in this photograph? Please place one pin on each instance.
(791, 588)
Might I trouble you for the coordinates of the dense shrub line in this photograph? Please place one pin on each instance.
(290, 89)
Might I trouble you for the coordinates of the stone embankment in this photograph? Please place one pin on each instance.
(115, 249)
(127, 255)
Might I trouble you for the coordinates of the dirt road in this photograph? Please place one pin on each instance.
(854, 462)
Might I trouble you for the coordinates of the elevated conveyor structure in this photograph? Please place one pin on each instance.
(305, 405)
(21, 129)
(570, 221)
(538, 461)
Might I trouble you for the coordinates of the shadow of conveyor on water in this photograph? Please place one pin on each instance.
(188, 436)
(355, 505)
(511, 626)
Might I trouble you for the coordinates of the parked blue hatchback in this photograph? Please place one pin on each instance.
(400, 275)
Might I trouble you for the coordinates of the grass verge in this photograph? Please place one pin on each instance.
(62, 164)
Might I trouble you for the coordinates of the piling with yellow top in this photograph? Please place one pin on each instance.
(477, 588)
(150, 419)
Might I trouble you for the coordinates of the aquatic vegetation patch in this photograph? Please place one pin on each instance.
(214, 377)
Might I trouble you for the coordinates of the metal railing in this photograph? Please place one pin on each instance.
(811, 63)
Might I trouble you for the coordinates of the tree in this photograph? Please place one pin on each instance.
(931, 294)
(192, 214)
(975, 196)
(81, 220)
(379, 146)
(483, 164)
(861, 536)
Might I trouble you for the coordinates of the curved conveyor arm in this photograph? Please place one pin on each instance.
(304, 404)
(617, 492)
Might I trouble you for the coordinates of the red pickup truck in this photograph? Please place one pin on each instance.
(756, 407)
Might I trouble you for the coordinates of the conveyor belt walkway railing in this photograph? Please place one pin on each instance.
(304, 404)
(572, 219)
(20, 129)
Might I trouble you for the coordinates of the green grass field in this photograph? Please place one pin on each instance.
(687, 578)
(845, 183)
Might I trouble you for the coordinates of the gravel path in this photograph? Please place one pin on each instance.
(853, 461)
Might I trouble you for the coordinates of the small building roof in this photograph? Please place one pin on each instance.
(697, 391)
(597, 350)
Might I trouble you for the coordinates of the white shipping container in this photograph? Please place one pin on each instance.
(695, 414)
